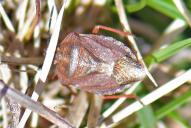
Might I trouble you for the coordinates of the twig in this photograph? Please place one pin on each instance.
(26, 102)
(35, 95)
(21, 60)
(151, 97)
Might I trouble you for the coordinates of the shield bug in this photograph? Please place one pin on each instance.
(96, 63)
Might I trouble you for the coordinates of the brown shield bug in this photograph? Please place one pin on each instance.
(96, 63)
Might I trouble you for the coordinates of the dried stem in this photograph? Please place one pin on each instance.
(46, 65)
(35, 20)
(22, 9)
(183, 10)
(22, 60)
(37, 107)
(6, 19)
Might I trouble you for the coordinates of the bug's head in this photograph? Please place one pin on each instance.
(127, 70)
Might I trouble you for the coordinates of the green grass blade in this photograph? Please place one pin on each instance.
(136, 6)
(173, 105)
(166, 7)
(146, 117)
(179, 119)
(169, 51)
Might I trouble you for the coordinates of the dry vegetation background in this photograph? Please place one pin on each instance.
(161, 30)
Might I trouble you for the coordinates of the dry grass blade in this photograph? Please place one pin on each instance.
(6, 19)
(94, 113)
(34, 120)
(46, 65)
(25, 101)
(172, 31)
(35, 95)
(35, 20)
(183, 10)
(21, 13)
(52, 6)
(52, 46)
(26, 26)
(78, 109)
(151, 97)
(124, 22)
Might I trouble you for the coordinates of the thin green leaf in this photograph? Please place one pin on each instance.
(178, 118)
(166, 7)
(177, 102)
(169, 51)
(136, 6)
(146, 117)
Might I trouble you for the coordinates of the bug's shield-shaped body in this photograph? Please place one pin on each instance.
(96, 63)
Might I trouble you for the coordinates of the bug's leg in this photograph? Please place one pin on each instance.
(97, 28)
(128, 96)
